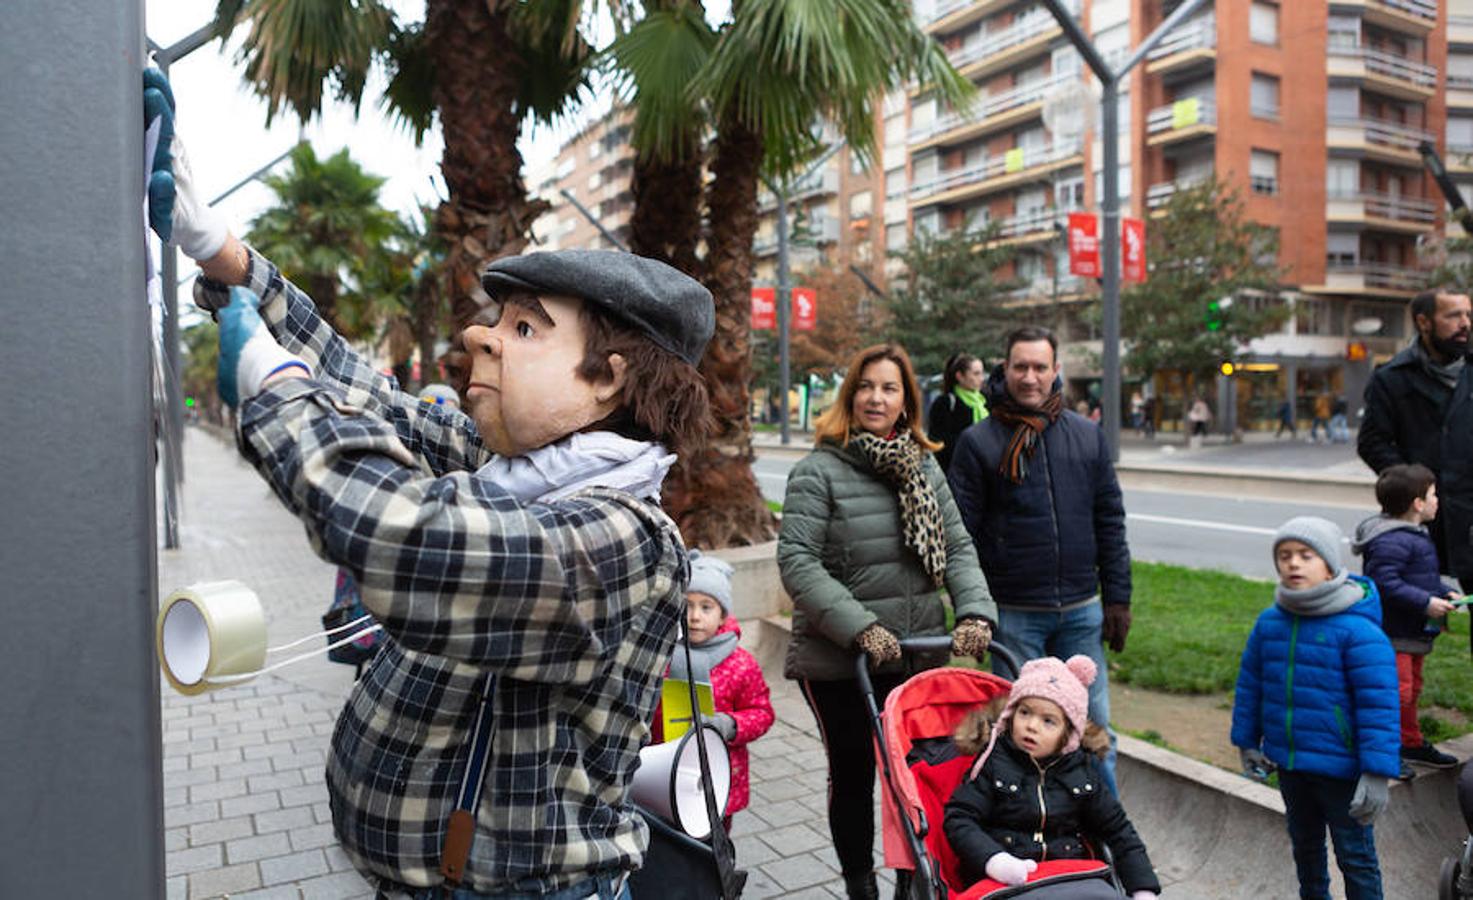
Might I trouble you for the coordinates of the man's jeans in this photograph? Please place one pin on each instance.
(613, 886)
(1312, 803)
(1063, 633)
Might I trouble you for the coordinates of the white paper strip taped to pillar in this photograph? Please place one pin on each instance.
(209, 631)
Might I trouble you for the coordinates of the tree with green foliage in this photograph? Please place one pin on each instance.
(745, 101)
(479, 67)
(329, 234)
(1206, 263)
(951, 297)
(201, 359)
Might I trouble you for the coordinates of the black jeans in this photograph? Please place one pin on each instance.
(844, 728)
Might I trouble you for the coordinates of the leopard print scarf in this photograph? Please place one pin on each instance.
(898, 461)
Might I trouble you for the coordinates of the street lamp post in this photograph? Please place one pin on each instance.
(1110, 203)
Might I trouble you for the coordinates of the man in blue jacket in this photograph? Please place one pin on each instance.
(1038, 493)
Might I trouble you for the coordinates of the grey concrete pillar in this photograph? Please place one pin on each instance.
(80, 754)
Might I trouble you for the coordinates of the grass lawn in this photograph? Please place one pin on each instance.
(1189, 627)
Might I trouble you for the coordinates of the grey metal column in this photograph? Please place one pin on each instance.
(784, 299)
(80, 754)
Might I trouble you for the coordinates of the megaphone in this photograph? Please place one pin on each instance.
(668, 781)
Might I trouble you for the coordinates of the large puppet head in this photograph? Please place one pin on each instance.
(578, 340)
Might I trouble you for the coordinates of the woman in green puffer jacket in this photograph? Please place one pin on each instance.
(870, 534)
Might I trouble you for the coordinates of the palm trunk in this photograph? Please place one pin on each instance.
(488, 214)
(666, 223)
(714, 496)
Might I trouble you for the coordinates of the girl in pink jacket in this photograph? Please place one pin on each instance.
(743, 707)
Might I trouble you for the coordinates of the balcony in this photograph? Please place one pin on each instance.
(1186, 46)
(989, 114)
(1459, 91)
(1459, 30)
(951, 15)
(1028, 227)
(1182, 120)
(1014, 167)
(818, 184)
(1005, 48)
(1384, 212)
(1388, 73)
(1378, 139)
(817, 231)
(1367, 277)
(1414, 17)
(1160, 193)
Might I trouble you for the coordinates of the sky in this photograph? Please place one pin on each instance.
(223, 125)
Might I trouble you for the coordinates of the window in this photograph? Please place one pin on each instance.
(1343, 103)
(1342, 178)
(895, 236)
(860, 205)
(1313, 316)
(1263, 172)
(596, 180)
(595, 148)
(856, 164)
(895, 183)
(1459, 70)
(1342, 249)
(1459, 133)
(1263, 23)
(895, 130)
(1344, 32)
(1069, 195)
(1264, 100)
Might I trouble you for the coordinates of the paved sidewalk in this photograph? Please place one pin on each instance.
(245, 805)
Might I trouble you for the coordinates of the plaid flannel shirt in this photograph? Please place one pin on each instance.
(571, 607)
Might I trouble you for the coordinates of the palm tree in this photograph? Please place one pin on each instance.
(329, 234)
(481, 66)
(759, 85)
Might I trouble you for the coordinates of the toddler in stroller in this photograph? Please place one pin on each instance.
(1035, 795)
(1044, 824)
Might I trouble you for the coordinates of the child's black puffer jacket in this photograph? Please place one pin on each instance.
(1042, 810)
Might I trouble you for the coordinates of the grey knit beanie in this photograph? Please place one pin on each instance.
(1320, 535)
(711, 576)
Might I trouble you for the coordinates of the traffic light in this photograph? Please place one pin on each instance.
(189, 402)
(1214, 316)
(1227, 367)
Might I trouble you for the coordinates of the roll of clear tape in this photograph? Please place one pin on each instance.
(210, 635)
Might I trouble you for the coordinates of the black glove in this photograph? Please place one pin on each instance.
(1116, 626)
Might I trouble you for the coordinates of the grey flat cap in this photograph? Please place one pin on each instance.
(668, 306)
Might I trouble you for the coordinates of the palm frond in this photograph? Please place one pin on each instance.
(410, 94)
(656, 63)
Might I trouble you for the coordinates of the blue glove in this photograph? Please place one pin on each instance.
(158, 108)
(248, 353)
(175, 212)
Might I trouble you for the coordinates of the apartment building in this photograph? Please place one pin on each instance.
(596, 166)
(1313, 111)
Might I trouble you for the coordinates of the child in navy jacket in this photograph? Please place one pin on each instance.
(1401, 559)
(1317, 696)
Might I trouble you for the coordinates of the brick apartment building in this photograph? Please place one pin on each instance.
(1313, 111)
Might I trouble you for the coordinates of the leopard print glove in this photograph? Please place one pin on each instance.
(970, 637)
(881, 645)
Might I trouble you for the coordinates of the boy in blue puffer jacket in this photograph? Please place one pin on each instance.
(1402, 560)
(1317, 697)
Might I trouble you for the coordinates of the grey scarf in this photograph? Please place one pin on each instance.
(704, 656)
(1333, 596)
(1445, 373)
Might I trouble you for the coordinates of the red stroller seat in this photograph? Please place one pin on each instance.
(922, 767)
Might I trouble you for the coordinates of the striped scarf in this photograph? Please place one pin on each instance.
(1027, 425)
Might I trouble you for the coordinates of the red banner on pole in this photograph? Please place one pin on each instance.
(1084, 245)
(1133, 250)
(764, 308)
(805, 309)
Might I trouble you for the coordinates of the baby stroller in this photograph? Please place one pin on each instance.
(922, 766)
(1456, 879)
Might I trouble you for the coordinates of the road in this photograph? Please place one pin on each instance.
(1198, 530)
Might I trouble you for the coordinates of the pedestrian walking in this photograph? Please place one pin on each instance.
(1321, 417)
(870, 534)
(1286, 421)
(1199, 417)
